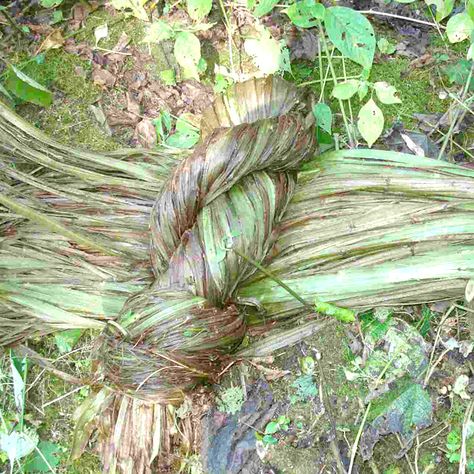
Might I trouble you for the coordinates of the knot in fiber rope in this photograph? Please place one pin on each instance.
(232, 191)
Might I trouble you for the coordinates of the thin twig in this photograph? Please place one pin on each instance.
(400, 17)
(46, 365)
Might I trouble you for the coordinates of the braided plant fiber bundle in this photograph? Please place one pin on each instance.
(358, 227)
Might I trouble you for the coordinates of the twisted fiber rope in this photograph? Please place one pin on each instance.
(233, 190)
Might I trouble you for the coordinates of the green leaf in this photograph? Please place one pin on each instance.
(27, 89)
(168, 77)
(186, 135)
(323, 116)
(386, 93)
(470, 9)
(405, 1)
(459, 27)
(272, 427)
(198, 9)
(443, 8)
(265, 52)
(158, 31)
(269, 439)
(370, 122)
(345, 90)
(133, 7)
(363, 89)
(405, 409)
(305, 13)
(458, 73)
(57, 17)
(50, 452)
(352, 34)
(66, 340)
(50, 3)
(187, 51)
(19, 368)
(385, 46)
(263, 7)
(17, 444)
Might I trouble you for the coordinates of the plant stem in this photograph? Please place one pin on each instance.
(456, 115)
(274, 278)
(357, 439)
(334, 78)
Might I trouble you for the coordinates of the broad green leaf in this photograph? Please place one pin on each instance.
(352, 34)
(370, 123)
(263, 7)
(265, 52)
(187, 51)
(443, 8)
(459, 27)
(27, 89)
(186, 135)
(272, 427)
(198, 9)
(158, 31)
(323, 116)
(305, 13)
(470, 53)
(385, 46)
(134, 7)
(49, 452)
(345, 90)
(66, 340)
(18, 444)
(50, 3)
(386, 93)
(404, 410)
(458, 73)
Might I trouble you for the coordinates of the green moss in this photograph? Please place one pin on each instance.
(67, 73)
(69, 119)
(117, 24)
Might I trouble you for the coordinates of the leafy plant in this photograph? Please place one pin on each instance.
(282, 423)
(185, 135)
(187, 47)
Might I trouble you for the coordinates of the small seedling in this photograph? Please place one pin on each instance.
(282, 423)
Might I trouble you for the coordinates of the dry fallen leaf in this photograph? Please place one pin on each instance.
(53, 41)
(102, 77)
(145, 133)
(132, 104)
